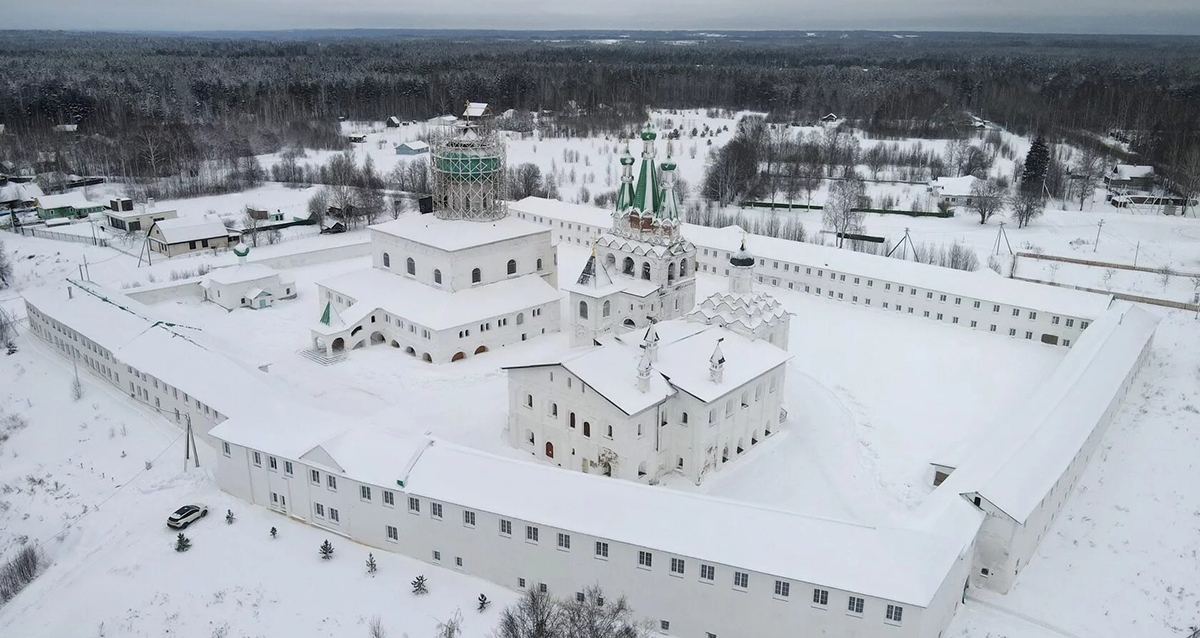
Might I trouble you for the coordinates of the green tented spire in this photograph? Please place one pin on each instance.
(325, 315)
(646, 197)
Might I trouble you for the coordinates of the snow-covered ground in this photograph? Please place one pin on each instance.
(872, 396)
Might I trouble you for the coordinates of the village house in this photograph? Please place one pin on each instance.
(415, 147)
(70, 204)
(124, 215)
(1130, 177)
(392, 122)
(953, 191)
(179, 236)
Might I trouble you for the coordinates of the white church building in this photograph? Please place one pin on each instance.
(680, 395)
(650, 266)
(460, 282)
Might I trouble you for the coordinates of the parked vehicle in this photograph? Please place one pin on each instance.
(187, 515)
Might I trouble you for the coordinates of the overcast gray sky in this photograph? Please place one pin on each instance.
(1061, 16)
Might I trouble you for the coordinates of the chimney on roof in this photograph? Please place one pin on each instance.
(149, 203)
(716, 363)
(643, 372)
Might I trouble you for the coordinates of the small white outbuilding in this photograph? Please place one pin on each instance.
(246, 285)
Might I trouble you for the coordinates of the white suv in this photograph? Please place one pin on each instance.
(187, 515)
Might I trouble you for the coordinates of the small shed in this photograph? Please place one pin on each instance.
(392, 122)
(415, 147)
(246, 285)
(135, 220)
(357, 138)
(66, 128)
(829, 117)
(1128, 176)
(332, 227)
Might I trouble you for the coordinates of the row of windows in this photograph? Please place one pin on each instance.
(677, 566)
(410, 267)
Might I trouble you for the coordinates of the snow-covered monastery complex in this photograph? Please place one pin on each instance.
(463, 281)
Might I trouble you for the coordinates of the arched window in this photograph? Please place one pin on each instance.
(583, 310)
(646, 270)
(387, 260)
(539, 264)
(571, 420)
(554, 410)
(627, 266)
(520, 318)
(437, 276)
(683, 268)
(607, 308)
(685, 418)
(671, 272)
(512, 266)
(410, 266)
(549, 450)
(609, 432)
(476, 276)
(529, 400)
(587, 429)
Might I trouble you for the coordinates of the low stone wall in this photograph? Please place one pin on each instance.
(170, 291)
(318, 256)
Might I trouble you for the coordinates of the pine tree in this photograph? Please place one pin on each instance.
(182, 544)
(1037, 163)
(326, 550)
(273, 532)
(229, 517)
(483, 602)
(371, 567)
(418, 586)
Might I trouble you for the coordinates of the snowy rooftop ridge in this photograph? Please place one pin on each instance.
(750, 310)
(241, 273)
(1015, 466)
(74, 199)
(456, 234)
(181, 229)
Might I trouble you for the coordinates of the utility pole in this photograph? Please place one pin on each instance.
(1099, 226)
(1136, 250)
(189, 445)
(1001, 234)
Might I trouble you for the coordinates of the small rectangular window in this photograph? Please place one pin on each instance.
(820, 596)
(601, 549)
(531, 534)
(895, 613)
(708, 572)
(855, 606)
(564, 541)
(665, 625)
(437, 555)
(258, 459)
(505, 527)
(315, 477)
(389, 498)
(468, 518)
(458, 561)
(333, 515)
(364, 492)
(435, 510)
(677, 566)
(542, 588)
(225, 447)
(741, 580)
(287, 468)
(414, 504)
(319, 510)
(521, 583)
(331, 481)
(782, 588)
(392, 533)
(645, 559)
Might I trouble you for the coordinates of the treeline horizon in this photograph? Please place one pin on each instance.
(229, 97)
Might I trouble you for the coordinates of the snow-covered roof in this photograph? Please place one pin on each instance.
(594, 280)
(175, 354)
(290, 440)
(984, 285)
(750, 310)
(1131, 171)
(577, 213)
(954, 186)
(170, 213)
(373, 288)
(682, 363)
(457, 234)
(184, 229)
(475, 109)
(373, 456)
(240, 274)
(393, 120)
(416, 145)
(443, 119)
(1017, 463)
(17, 192)
(895, 564)
(74, 199)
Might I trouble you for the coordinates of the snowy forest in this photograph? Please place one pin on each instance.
(197, 109)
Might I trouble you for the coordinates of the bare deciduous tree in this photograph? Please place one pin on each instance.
(1026, 204)
(841, 208)
(987, 199)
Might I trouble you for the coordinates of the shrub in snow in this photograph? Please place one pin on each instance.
(326, 550)
(76, 389)
(452, 627)
(419, 587)
(375, 629)
(273, 532)
(229, 517)
(483, 602)
(182, 544)
(371, 566)
(19, 572)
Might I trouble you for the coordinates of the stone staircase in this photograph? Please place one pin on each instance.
(319, 356)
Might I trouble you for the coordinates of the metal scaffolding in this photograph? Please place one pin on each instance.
(469, 168)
